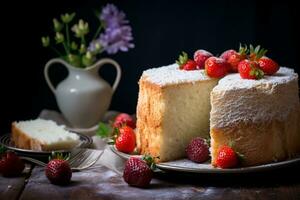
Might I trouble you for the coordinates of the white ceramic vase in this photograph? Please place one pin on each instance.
(83, 97)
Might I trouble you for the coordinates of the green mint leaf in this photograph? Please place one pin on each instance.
(103, 130)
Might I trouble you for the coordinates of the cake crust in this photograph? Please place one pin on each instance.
(23, 141)
(260, 143)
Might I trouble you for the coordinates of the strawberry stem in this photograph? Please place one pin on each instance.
(182, 59)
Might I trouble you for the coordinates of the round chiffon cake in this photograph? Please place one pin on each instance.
(259, 118)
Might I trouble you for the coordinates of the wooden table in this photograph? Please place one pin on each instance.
(103, 183)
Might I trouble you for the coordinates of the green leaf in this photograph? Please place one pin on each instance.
(103, 130)
(2, 149)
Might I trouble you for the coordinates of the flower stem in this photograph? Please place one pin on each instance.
(56, 51)
(98, 31)
(66, 48)
(83, 40)
(68, 36)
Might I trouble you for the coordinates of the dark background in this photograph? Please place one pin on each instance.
(161, 30)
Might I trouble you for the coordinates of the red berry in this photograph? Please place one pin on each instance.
(185, 63)
(126, 140)
(226, 158)
(137, 172)
(58, 171)
(124, 119)
(197, 150)
(250, 70)
(268, 65)
(200, 56)
(11, 164)
(226, 54)
(216, 67)
(234, 60)
(190, 65)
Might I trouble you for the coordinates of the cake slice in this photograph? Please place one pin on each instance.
(259, 118)
(42, 135)
(173, 107)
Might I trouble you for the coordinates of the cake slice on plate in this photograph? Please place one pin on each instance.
(42, 135)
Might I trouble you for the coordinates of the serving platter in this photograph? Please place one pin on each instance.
(185, 165)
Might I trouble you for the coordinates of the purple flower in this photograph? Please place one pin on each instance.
(112, 17)
(117, 35)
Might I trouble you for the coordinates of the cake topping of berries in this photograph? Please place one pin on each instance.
(124, 119)
(226, 54)
(216, 67)
(58, 170)
(125, 141)
(197, 150)
(268, 65)
(256, 53)
(200, 56)
(138, 171)
(10, 163)
(250, 70)
(234, 58)
(226, 158)
(185, 63)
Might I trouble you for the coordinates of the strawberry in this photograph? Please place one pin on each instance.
(226, 158)
(200, 56)
(126, 140)
(216, 67)
(197, 150)
(11, 164)
(58, 171)
(256, 53)
(268, 65)
(138, 171)
(236, 57)
(226, 54)
(185, 63)
(123, 119)
(250, 70)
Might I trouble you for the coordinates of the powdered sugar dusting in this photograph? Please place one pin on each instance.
(234, 81)
(236, 100)
(171, 74)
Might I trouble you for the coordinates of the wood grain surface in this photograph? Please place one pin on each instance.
(103, 183)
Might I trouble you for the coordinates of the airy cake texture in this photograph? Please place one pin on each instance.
(42, 135)
(260, 118)
(173, 107)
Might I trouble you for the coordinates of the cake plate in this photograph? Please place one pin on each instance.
(185, 165)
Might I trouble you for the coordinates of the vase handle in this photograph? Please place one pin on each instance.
(117, 67)
(46, 71)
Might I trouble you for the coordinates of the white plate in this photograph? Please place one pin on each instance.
(185, 165)
(85, 141)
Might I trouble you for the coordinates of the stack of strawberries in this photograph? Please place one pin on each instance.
(250, 63)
